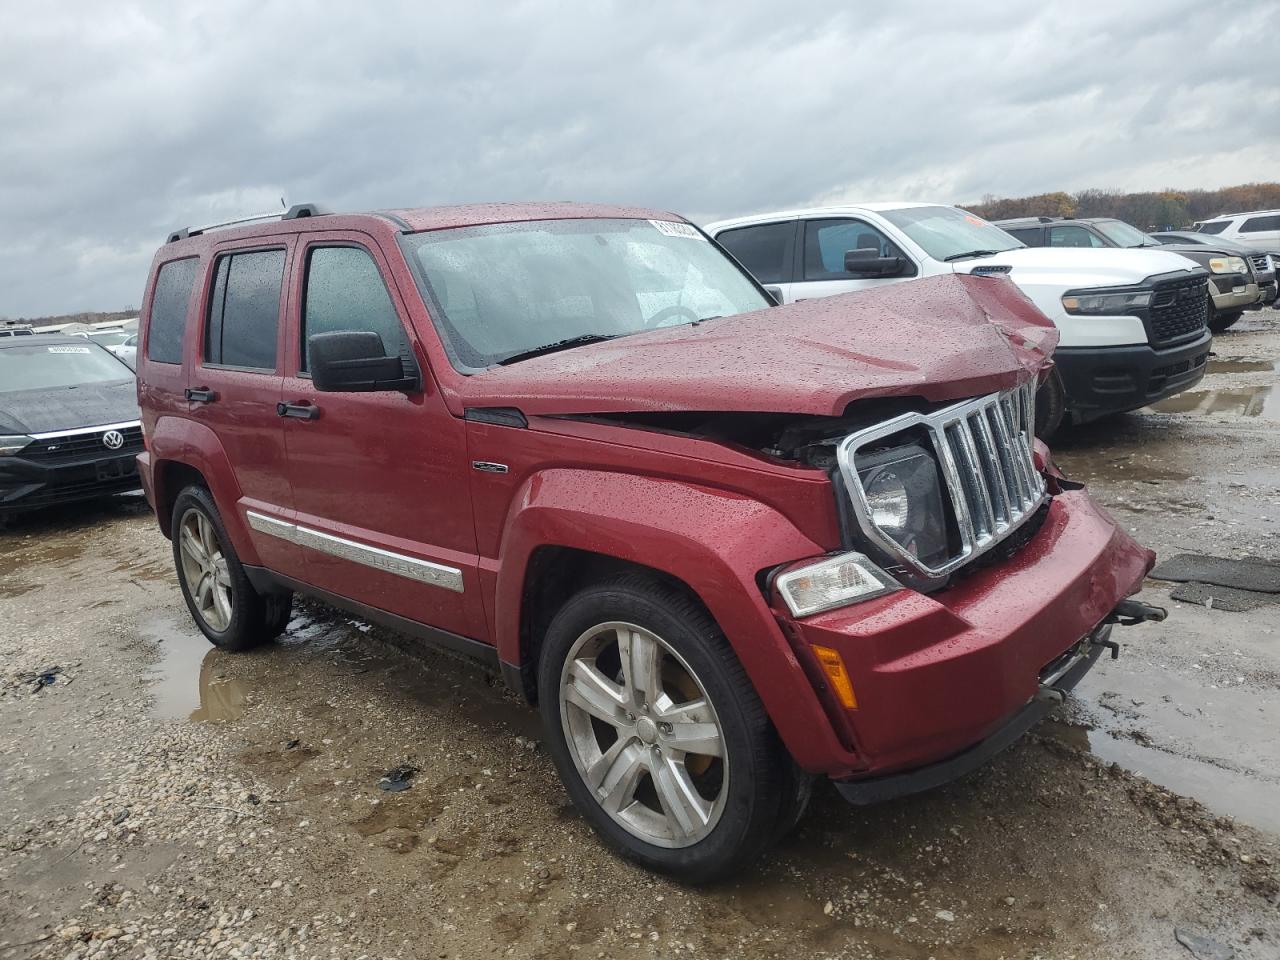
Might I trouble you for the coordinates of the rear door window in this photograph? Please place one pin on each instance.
(345, 292)
(765, 250)
(244, 310)
(1261, 224)
(1031, 236)
(1213, 226)
(169, 304)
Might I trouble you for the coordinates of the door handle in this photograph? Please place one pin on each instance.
(301, 411)
(200, 394)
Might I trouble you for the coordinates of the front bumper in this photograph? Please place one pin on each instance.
(1228, 294)
(1102, 380)
(31, 485)
(936, 674)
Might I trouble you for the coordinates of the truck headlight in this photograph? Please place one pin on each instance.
(833, 582)
(1083, 303)
(1228, 265)
(10, 444)
(903, 492)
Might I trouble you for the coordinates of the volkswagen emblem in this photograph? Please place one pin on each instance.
(113, 439)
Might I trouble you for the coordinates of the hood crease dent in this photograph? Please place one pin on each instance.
(941, 338)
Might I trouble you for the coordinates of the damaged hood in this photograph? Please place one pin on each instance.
(940, 338)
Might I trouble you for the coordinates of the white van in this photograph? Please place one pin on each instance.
(1132, 322)
(1259, 229)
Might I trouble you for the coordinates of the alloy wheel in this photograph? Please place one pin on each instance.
(643, 734)
(204, 567)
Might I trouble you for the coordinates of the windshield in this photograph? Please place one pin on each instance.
(1123, 235)
(503, 290)
(34, 366)
(110, 338)
(950, 233)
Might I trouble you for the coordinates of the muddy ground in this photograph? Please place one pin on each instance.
(163, 799)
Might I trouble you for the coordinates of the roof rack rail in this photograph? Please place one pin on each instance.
(1049, 219)
(296, 212)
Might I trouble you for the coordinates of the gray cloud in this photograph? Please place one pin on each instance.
(121, 123)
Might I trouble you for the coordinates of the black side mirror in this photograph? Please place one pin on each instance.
(355, 361)
(869, 263)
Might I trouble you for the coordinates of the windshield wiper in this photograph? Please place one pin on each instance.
(971, 253)
(558, 345)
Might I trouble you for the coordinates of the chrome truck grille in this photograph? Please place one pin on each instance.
(982, 448)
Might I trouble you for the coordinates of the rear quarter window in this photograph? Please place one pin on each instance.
(169, 305)
(1261, 224)
(764, 250)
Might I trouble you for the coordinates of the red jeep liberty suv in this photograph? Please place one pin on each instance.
(724, 546)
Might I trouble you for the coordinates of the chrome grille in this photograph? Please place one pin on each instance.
(983, 448)
(1261, 262)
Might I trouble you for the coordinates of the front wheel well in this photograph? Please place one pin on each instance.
(171, 478)
(552, 576)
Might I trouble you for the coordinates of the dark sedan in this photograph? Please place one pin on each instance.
(69, 423)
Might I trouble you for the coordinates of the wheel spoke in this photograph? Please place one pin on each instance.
(203, 591)
(221, 604)
(207, 537)
(590, 690)
(622, 770)
(221, 576)
(692, 730)
(641, 666)
(193, 548)
(686, 810)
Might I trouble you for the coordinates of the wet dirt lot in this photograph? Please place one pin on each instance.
(164, 799)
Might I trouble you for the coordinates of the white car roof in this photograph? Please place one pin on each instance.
(830, 210)
(1247, 213)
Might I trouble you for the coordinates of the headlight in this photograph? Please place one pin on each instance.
(904, 497)
(831, 583)
(1103, 304)
(12, 444)
(1228, 265)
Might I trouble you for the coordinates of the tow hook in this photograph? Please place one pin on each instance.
(1130, 612)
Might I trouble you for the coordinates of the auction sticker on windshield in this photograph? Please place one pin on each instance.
(68, 349)
(670, 228)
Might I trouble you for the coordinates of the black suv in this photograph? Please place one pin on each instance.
(69, 423)
(1234, 287)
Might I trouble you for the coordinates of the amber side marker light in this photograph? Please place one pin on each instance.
(833, 667)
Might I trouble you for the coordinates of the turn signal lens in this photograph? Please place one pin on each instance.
(834, 582)
(837, 675)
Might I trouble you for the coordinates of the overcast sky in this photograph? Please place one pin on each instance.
(121, 122)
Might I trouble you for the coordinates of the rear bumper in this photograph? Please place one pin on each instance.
(30, 485)
(935, 675)
(1102, 380)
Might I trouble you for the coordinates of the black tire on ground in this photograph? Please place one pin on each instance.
(762, 792)
(256, 618)
(1051, 405)
(1224, 319)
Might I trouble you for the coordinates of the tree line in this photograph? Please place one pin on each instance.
(1162, 210)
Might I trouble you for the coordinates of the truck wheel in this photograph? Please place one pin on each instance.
(223, 603)
(656, 732)
(1051, 405)
(1222, 320)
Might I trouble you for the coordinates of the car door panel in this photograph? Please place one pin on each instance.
(380, 480)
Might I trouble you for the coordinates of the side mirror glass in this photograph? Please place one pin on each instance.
(869, 263)
(355, 361)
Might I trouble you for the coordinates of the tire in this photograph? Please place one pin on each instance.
(1223, 320)
(741, 797)
(1051, 405)
(221, 600)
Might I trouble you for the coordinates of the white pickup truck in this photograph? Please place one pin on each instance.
(1132, 322)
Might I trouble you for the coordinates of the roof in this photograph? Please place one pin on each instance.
(1244, 213)
(878, 206)
(416, 219)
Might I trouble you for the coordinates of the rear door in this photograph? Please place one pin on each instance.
(1262, 232)
(821, 261)
(380, 480)
(235, 386)
(767, 251)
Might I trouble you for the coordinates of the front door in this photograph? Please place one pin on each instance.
(821, 263)
(235, 385)
(380, 480)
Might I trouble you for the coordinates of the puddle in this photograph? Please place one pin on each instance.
(191, 683)
(1219, 788)
(1242, 402)
(1241, 365)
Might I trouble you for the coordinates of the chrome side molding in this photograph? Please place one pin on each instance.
(423, 571)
